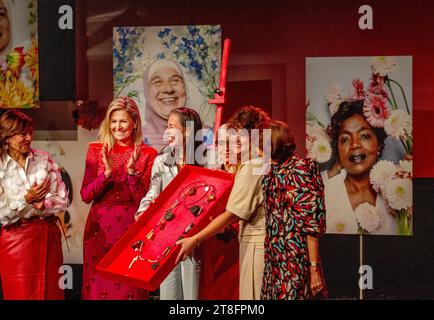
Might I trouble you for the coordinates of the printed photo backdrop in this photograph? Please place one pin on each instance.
(167, 67)
(359, 130)
(19, 73)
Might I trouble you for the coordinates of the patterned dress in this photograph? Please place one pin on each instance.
(294, 196)
(115, 201)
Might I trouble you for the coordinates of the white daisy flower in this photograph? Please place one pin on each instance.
(368, 217)
(383, 65)
(320, 150)
(382, 172)
(406, 166)
(399, 193)
(398, 124)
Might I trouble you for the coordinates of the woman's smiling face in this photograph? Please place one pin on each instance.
(357, 145)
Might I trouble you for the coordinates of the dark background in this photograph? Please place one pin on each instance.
(270, 41)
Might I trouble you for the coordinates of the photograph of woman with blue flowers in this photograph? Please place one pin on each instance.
(163, 68)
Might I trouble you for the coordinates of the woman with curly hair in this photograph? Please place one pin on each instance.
(358, 146)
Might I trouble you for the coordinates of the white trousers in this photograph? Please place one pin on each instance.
(183, 282)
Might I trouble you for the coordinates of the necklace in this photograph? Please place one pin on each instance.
(195, 196)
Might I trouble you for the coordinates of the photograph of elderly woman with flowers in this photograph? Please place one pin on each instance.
(19, 71)
(163, 68)
(359, 130)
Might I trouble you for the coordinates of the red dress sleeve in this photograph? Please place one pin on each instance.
(93, 182)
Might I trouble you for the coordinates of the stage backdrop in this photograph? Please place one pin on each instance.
(167, 67)
(347, 142)
(19, 74)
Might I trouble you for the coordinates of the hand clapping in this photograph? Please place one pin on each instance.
(131, 165)
(107, 161)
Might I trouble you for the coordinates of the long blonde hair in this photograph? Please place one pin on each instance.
(130, 106)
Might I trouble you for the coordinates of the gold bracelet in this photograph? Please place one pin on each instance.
(315, 263)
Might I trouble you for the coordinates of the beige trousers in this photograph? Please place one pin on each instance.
(251, 270)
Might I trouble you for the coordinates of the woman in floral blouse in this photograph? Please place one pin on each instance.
(295, 218)
(31, 194)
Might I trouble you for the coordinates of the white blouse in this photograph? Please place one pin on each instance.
(16, 180)
(340, 216)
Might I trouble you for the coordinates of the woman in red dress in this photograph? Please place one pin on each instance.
(117, 176)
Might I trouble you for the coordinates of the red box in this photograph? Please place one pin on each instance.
(206, 182)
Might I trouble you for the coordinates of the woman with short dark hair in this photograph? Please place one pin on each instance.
(294, 220)
(31, 195)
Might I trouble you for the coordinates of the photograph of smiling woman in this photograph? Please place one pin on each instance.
(164, 89)
(358, 146)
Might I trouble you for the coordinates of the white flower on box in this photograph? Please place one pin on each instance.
(2, 174)
(2, 204)
(399, 193)
(382, 172)
(383, 66)
(368, 217)
(320, 150)
(398, 124)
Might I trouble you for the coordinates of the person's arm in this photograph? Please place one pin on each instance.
(311, 207)
(155, 187)
(93, 184)
(189, 244)
(317, 283)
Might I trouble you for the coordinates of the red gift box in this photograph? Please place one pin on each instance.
(146, 253)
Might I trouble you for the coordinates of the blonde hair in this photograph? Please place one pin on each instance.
(130, 106)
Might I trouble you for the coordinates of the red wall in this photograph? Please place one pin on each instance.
(270, 41)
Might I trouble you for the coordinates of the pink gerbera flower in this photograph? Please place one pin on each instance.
(376, 110)
(359, 90)
(377, 86)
